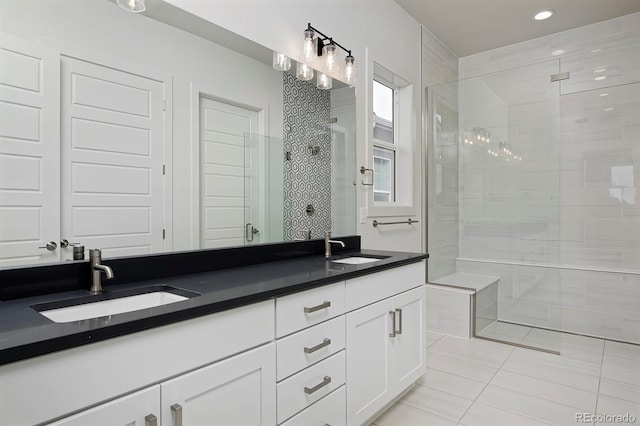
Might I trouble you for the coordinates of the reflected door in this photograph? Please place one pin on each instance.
(112, 127)
(29, 154)
(224, 195)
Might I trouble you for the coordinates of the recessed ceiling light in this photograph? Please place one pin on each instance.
(558, 52)
(543, 14)
(609, 109)
(599, 70)
(602, 95)
(602, 77)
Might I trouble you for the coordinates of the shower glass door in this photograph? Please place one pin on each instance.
(496, 175)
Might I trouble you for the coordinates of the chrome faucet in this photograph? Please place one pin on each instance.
(95, 259)
(327, 244)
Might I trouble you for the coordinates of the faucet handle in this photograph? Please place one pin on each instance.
(327, 234)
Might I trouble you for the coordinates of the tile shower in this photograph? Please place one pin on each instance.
(536, 181)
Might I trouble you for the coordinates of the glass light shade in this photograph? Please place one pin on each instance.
(304, 72)
(350, 70)
(329, 53)
(324, 82)
(281, 62)
(309, 46)
(132, 5)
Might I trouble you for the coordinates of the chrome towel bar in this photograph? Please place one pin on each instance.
(404, 222)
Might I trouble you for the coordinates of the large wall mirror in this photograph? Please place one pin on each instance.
(154, 132)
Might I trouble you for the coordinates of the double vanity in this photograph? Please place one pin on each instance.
(263, 335)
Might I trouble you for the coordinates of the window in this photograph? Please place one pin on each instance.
(384, 149)
(393, 145)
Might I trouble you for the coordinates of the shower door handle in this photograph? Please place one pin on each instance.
(250, 231)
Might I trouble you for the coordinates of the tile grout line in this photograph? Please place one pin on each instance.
(600, 377)
(485, 386)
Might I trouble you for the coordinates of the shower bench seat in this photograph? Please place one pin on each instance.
(462, 304)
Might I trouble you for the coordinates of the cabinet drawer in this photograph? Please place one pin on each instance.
(304, 309)
(308, 386)
(309, 346)
(330, 410)
(365, 290)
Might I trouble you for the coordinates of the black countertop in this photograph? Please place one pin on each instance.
(24, 333)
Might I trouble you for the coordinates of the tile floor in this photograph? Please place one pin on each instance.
(523, 335)
(478, 382)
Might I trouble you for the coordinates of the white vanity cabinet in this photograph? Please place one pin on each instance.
(239, 390)
(311, 358)
(138, 408)
(385, 340)
(236, 391)
(213, 350)
(336, 354)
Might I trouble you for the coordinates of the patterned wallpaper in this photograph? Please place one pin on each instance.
(307, 164)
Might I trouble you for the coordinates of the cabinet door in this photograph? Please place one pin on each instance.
(409, 346)
(240, 390)
(137, 409)
(369, 364)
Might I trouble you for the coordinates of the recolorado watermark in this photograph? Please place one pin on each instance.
(605, 418)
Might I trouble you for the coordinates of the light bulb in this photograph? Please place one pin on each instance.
(132, 5)
(324, 82)
(309, 46)
(281, 62)
(329, 53)
(304, 72)
(350, 70)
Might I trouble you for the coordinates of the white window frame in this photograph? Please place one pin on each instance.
(404, 133)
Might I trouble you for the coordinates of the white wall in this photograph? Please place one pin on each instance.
(99, 28)
(375, 30)
(561, 227)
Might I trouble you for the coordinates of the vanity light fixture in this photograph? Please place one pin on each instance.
(323, 46)
(543, 14)
(132, 5)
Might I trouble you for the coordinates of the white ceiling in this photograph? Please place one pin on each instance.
(472, 26)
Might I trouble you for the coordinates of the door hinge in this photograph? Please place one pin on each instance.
(560, 76)
(164, 104)
(164, 234)
(164, 169)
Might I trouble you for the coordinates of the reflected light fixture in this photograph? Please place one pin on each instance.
(132, 5)
(304, 72)
(281, 62)
(324, 82)
(543, 14)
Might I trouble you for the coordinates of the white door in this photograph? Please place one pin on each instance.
(239, 391)
(137, 409)
(112, 137)
(226, 197)
(409, 347)
(29, 153)
(369, 362)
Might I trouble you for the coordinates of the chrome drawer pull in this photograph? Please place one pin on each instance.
(325, 342)
(150, 420)
(176, 409)
(317, 387)
(399, 311)
(393, 324)
(323, 305)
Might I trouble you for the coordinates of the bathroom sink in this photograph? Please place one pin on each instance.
(111, 304)
(358, 260)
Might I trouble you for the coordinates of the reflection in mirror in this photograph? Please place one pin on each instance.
(104, 121)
